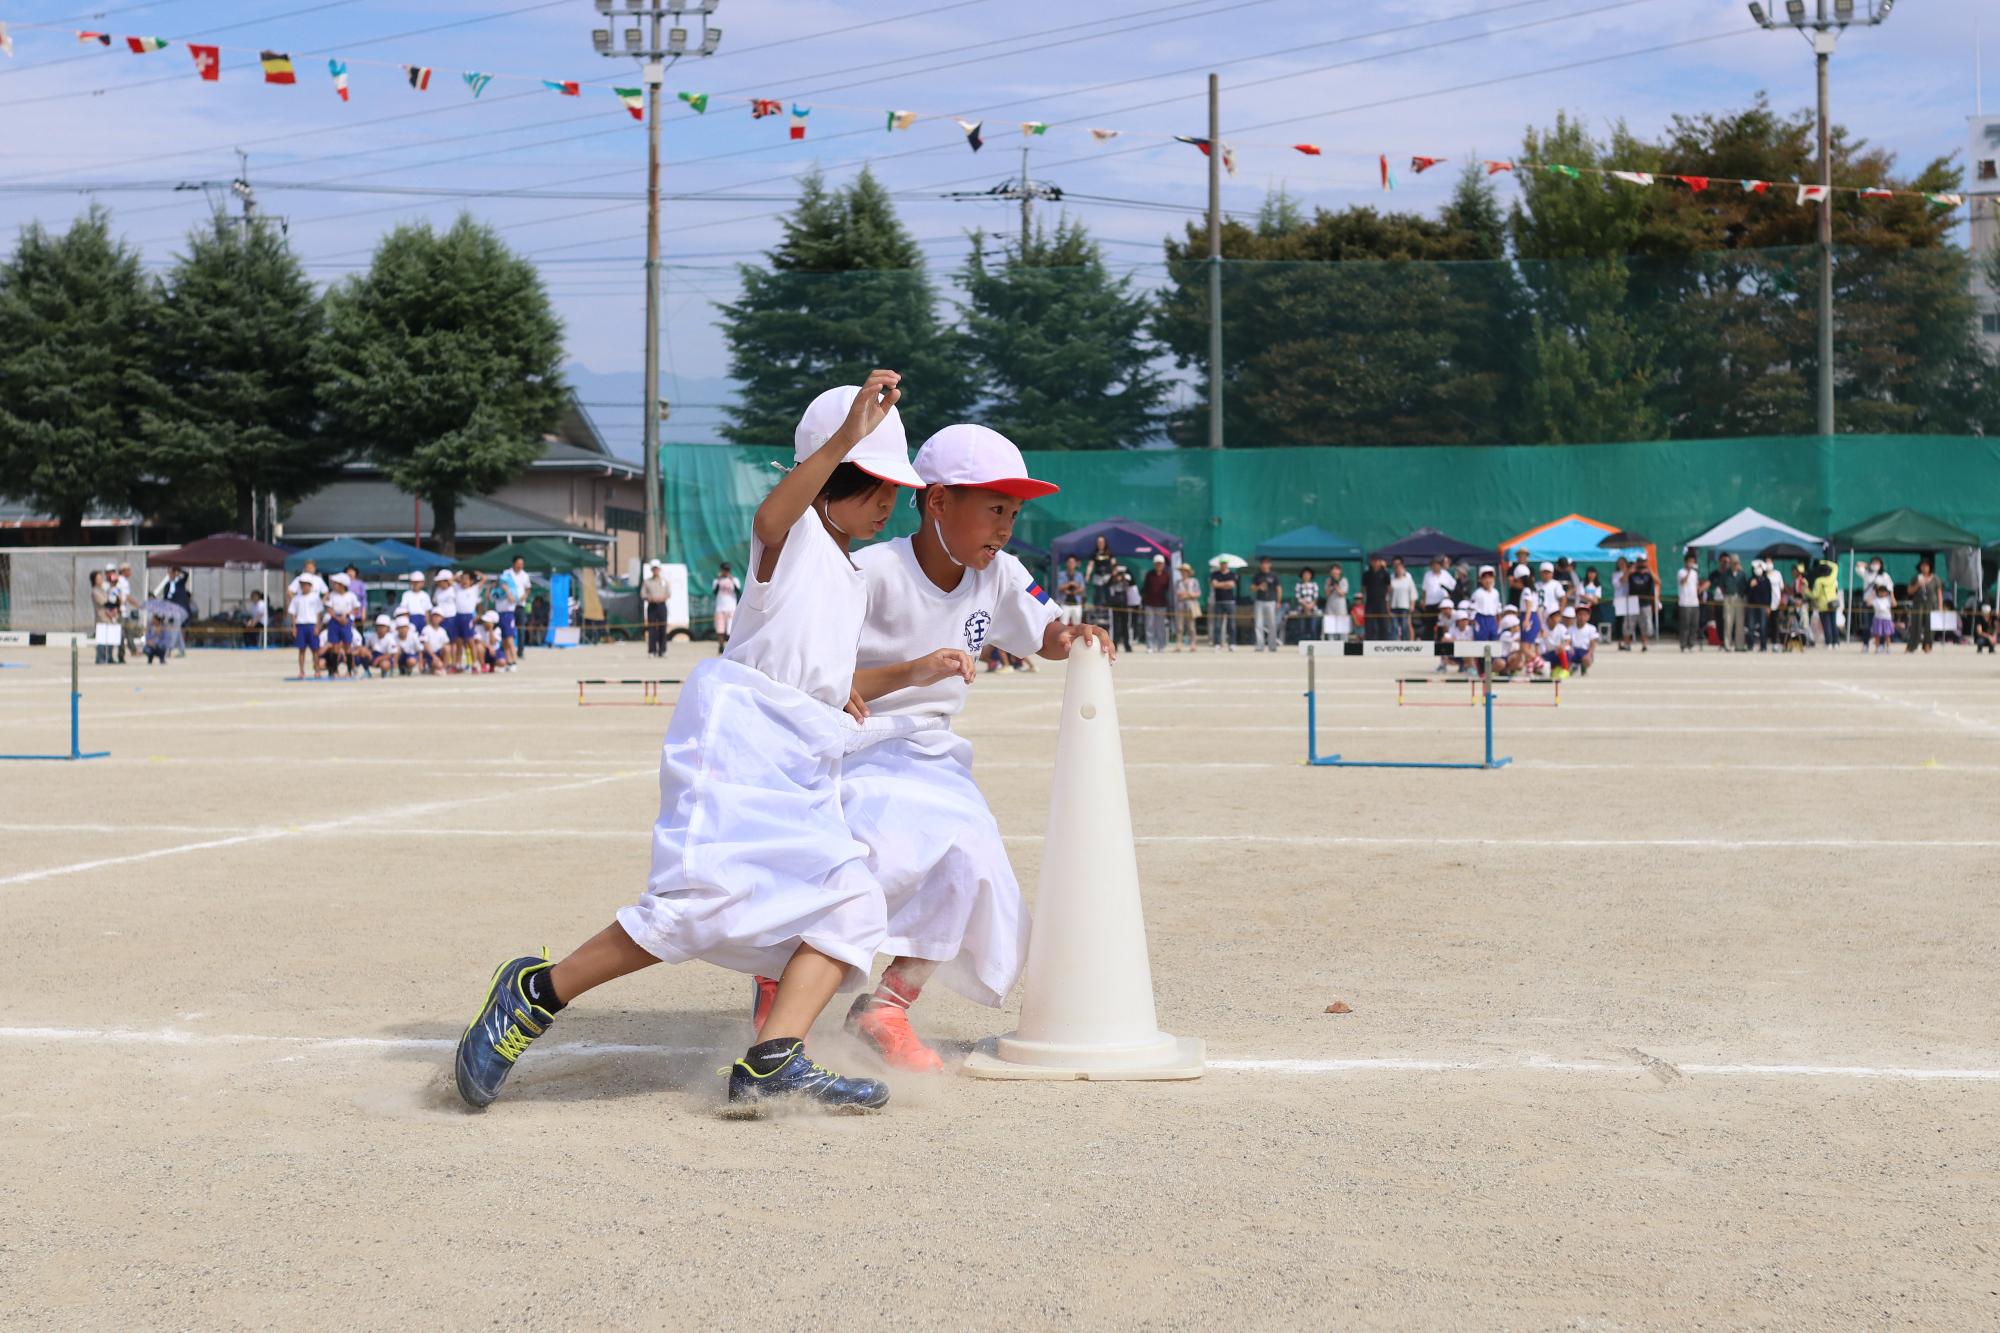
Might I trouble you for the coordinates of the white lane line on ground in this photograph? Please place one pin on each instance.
(1927, 710)
(1530, 1064)
(319, 827)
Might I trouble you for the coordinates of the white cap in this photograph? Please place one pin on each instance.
(402, 618)
(382, 620)
(1485, 569)
(491, 617)
(1159, 560)
(443, 575)
(416, 576)
(1445, 605)
(968, 455)
(885, 453)
(336, 578)
(1520, 571)
(1985, 608)
(1510, 619)
(1569, 613)
(1548, 568)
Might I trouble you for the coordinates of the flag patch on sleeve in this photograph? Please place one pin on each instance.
(1035, 591)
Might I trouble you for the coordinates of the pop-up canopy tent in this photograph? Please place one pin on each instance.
(223, 550)
(1755, 541)
(1724, 533)
(405, 558)
(1126, 538)
(1576, 537)
(1423, 544)
(1902, 530)
(1307, 544)
(368, 561)
(543, 555)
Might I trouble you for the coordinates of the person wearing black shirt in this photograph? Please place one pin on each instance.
(1644, 588)
(1266, 592)
(1757, 623)
(1375, 600)
(1222, 608)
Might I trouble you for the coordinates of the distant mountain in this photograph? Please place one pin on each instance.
(613, 398)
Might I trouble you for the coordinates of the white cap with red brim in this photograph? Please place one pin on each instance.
(883, 453)
(968, 455)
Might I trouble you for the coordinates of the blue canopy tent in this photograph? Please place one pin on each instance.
(1126, 538)
(1306, 545)
(1420, 546)
(339, 554)
(405, 558)
(1577, 538)
(1752, 542)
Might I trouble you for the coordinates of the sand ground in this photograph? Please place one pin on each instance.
(1690, 1017)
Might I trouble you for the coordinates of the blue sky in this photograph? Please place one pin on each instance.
(77, 118)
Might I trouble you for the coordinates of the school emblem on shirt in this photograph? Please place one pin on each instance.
(976, 626)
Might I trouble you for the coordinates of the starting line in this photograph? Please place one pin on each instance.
(649, 693)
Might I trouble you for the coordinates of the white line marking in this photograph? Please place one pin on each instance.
(323, 826)
(1530, 1064)
(1930, 710)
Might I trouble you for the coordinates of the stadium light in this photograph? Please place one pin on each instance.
(635, 41)
(677, 42)
(600, 40)
(1843, 11)
(1795, 13)
(710, 39)
(1758, 16)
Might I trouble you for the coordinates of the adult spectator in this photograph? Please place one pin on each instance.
(1155, 595)
(1926, 599)
(1339, 602)
(510, 600)
(1824, 578)
(357, 588)
(1621, 603)
(725, 590)
(1187, 609)
(177, 590)
(1375, 599)
(1124, 594)
(1439, 585)
(1069, 589)
(1757, 611)
(256, 620)
(1305, 607)
(1643, 587)
(1687, 609)
(1103, 567)
(308, 573)
(1222, 607)
(1402, 601)
(1588, 594)
(1265, 590)
(653, 592)
(1734, 588)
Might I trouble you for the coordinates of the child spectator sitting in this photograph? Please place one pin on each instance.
(156, 641)
(492, 647)
(1446, 632)
(1985, 630)
(382, 648)
(1556, 647)
(1512, 653)
(1583, 644)
(437, 646)
(409, 646)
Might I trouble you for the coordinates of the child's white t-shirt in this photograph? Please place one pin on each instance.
(1585, 637)
(435, 638)
(384, 642)
(909, 616)
(342, 604)
(408, 644)
(1485, 601)
(801, 625)
(1555, 638)
(416, 604)
(1510, 642)
(445, 601)
(1552, 591)
(1880, 601)
(305, 605)
(468, 599)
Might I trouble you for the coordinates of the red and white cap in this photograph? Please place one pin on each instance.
(883, 453)
(968, 455)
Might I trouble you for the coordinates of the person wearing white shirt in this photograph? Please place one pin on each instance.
(409, 646)
(304, 609)
(1402, 601)
(436, 655)
(341, 606)
(1485, 603)
(1439, 585)
(1555, 648)
(1583, 645)
(510, 595)
(415, 601)
(1688, 585)
(725, 587)
(1552, 590)
(444, 601)
(308, 574)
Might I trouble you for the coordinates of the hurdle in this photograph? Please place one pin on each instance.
(76, 750)
(649, 692)
(1484, 651)
(1472, 697)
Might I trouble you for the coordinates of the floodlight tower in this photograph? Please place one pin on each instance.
(1822, 30)
(655, 46)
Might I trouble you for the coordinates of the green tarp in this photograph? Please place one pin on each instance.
(1310, 542)
(1902, 530)
(544, 555)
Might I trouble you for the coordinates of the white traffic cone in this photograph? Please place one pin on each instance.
(1087, 1002)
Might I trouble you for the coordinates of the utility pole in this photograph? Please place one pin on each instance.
(1822, 31)
(1027, 203)
(654, 50)
(1214, 266)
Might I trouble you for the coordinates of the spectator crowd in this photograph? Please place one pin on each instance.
(449, 624)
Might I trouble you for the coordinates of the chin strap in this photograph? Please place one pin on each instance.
(938, 529)
(828, 517)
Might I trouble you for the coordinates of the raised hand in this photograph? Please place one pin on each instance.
(879, 393)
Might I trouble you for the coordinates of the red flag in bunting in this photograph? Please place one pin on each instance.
(761, 107)
(1878, 194)
(1388, 181)
(567, 87)
(1755, 187)
(1495, 168)
(207, 62)
(1695, 183)
(101, 38)
(1309, 149)
(1198, 143)
(1419, 165)
(419, 77)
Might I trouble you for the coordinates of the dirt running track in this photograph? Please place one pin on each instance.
(1690, 1017)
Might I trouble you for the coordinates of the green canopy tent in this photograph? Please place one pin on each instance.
(543, 555)
(1901, 531)
(1308, 545)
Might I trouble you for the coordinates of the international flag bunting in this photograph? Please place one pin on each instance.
(901, 120)
(1635, 177)
(1811, 194)
(1032, 127)
(1388, 177)
(1419, 165)
(1878, 194)
(1495, 168)
(634, 100)
(699, 101)
(101, 38)
(1309, 149)
(1948, 200)
(6, 43)
(477, 82)
(1105, 136)
(277, 67)
(761, 107)
(971, 128)
(799, 114)
(1561, 170)
(1198, 143)
(207, 62)
(1229, 159)
(138, 46)
(339, 73)
(419, 77)
(568, 88)
(1755, 187)
(1696, 184)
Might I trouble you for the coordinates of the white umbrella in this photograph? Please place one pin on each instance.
(1232, 561)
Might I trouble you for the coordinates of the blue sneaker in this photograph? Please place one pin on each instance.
(507, 1022)
(800, 1081)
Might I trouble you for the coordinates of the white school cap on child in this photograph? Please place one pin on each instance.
(969, 455)
(883, 453)
(1510, 619)
(1486, 569)
(417, 576)
(382, 620)
(491, 617)
(1445, 605)
(443, 576)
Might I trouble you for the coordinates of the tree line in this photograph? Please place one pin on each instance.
(187, 395)
(1590, 310)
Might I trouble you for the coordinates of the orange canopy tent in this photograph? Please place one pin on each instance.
(1574, 536)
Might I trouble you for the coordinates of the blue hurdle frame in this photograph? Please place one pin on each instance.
(1318, 760)
(76, 750)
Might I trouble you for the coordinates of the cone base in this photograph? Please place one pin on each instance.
(1009, 1057)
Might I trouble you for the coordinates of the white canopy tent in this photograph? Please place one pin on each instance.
(1742, 521)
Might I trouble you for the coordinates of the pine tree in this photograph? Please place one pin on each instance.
(843, 293)
(238, 333)
(75, 316)
(443, 362)
(1059, 345)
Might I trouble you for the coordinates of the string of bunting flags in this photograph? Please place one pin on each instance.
(277, 68)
